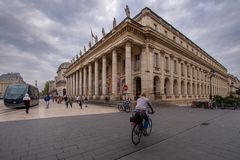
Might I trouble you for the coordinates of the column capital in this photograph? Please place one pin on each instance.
(128, 42)
(162, 52)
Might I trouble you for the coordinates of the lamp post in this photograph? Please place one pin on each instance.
(212, 74)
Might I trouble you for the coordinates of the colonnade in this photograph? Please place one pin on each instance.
(163, 75)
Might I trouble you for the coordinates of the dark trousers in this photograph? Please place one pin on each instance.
(27, 108)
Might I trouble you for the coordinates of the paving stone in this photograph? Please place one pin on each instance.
(177, 134)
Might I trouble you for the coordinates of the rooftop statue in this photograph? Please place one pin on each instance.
(76, 57)
(103, 32)
(85, 49)
(96, 39)
(89, 44)
(80, 53)
(127, 11)
(114, 22)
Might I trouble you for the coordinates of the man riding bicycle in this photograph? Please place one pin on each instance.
(143, 104)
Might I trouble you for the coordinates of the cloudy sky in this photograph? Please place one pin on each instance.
(36, 36)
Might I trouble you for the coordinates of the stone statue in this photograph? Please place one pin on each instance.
(96, 39)
(89, 44)
(114, 22)
(76, 57)
(85, 49)
(73, 59)
(127, 11)
(80, 53)
(103, 32)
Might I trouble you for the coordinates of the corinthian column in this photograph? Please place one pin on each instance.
(162, 75)
(77, 83)
(90, 79)
(96, 79)
(73, 84)
(85, 81)
(80, 82)
(128, 69)
(114, 74)
(104, 75)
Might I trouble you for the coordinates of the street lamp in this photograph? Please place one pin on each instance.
(212, 74)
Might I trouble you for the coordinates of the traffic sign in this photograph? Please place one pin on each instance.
(125, 87)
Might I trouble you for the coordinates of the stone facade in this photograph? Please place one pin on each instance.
(58, 85)
(147, 54)
(234, 85)
(52, 87)
(9, 78)
(60, 79)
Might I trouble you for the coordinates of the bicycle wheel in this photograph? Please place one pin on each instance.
(136, 134)
(149, 128)
(120, 108)
(127, 108)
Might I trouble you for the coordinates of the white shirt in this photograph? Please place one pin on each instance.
(26, 98)
(142, 103)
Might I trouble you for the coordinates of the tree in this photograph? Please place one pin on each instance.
(46, 88)
(238, 91)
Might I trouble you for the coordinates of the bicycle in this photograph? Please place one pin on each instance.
(137, 127)
(124, 106)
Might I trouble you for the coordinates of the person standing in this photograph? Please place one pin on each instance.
(47, 99)
(26, 101)
(70, 101)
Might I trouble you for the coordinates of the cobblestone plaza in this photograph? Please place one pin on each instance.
(177, 133)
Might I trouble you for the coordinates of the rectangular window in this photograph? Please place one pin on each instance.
(137, 62)
(182, 69)
(188, 71)
(123, 68)
(175, 66)
(174, 38)
(165, 33)
(155, 26)
(166, 63)
(193, 73)
(155, 60)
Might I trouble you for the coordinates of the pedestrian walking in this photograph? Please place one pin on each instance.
(80, 102)
(86, 101)
(47, 99)
(65, 100)
(70, 101)
(77, 99)
(26, 101)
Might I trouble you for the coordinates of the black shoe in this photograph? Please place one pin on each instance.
(144, 131)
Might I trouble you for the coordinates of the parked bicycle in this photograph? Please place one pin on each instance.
(125, 106)
(137, 127)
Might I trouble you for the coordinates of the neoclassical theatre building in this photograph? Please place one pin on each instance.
(147, 54)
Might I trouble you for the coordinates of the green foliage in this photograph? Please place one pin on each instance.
(226, 102)
(238, 91)
(218, 99)
(46, 88)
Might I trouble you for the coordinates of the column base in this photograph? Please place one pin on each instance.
(163, 97)
(95, 97)
(90, 97)
(113, 97)
(180, 96)
(102, 97)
